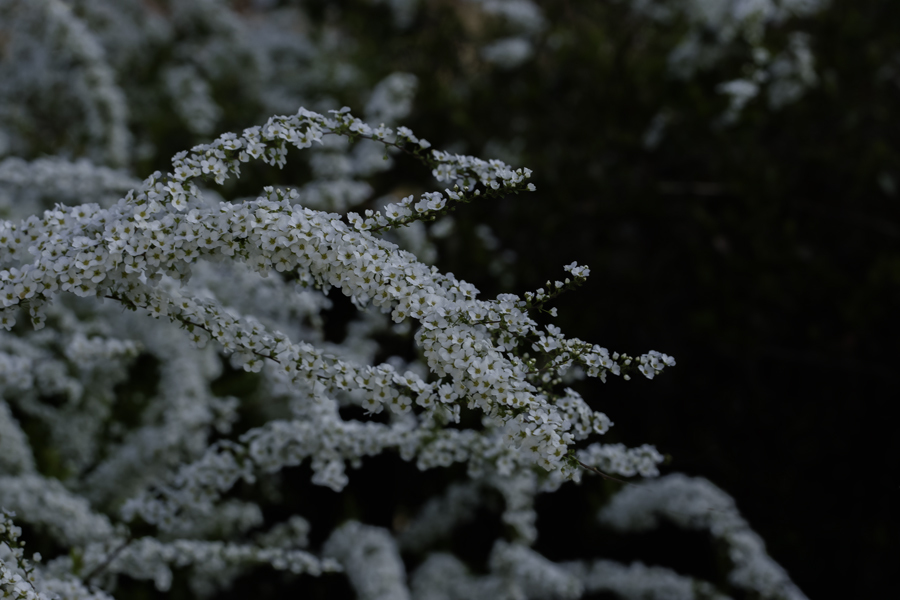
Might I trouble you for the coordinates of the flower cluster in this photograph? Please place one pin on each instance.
(695, 503)
(717, 31)
(168, 357)
(163, 228)
(200, 275)
(16, 578)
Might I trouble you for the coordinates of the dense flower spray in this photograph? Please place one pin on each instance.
(483, 355)
(137, 474)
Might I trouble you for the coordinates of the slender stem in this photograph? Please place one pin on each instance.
(602, 474)
(112, 556)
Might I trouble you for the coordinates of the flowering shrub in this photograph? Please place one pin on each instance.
(125, 455)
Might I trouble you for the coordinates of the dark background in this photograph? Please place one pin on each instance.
(762, 255)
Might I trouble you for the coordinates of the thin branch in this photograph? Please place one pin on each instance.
(602, 474)
(112, 556)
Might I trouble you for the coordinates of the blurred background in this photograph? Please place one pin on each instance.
(728, 170)
(761, 250)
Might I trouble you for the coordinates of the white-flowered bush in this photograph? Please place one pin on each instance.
(780, 71)
(120, 447)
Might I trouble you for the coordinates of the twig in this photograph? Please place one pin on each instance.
(112, 556)
(602, 474)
